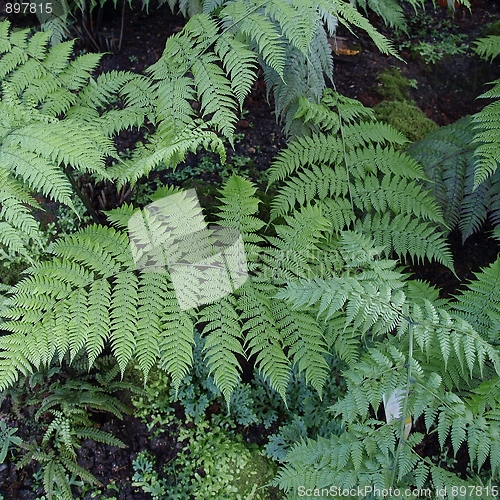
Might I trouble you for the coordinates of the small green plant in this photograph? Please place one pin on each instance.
(146, 477)
(7, 439)
(63, 415)
(433, 52)
(213, 463)
(431, 38)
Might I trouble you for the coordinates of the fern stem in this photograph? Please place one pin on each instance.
(405, 404)
(85, 200)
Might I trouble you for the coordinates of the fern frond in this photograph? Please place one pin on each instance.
(389, 10)
(364, 133)
(166, 148)
(487, 47)
(223, 342)
(297, 21)
(407, 236)
(98, 332)
(306, 342)
(296, 248)
(447, 157)
(314, 184)
(305, 151)
(372, 299)
(479, 304)
(99, 436)
(176, 341)
(149, 313)
(348, 15)
(396, 194)
(240, 64)
(124, 317)
(263, 340)
(258, 28)
(385, 160)
(475, 207)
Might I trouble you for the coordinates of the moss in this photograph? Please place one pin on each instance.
(406, 118)
(258, 471)
(393, 85)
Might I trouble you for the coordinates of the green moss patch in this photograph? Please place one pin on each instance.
(405, 117)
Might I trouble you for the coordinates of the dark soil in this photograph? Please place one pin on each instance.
(445, 91)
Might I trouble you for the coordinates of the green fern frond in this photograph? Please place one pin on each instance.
(488, 47)
(297, 247)
(389, 10)
(239, 63)
(386, 160)
(447, 157)
(215, 94)
(263, 340)
(406, 235)
(364, 133)
(305, 151)
(187, 8)
(176, 342)
(238, 210)
(223, 343)
(99, 436)
(260, 29)
(297, 21)
(306, 342)
(124, 317)
(372, 299)
(348, 15)
(396, 194)
(119, 217)
(479, 304)
(314, 184)
(475, 207)
(166, 148)
(149, 313)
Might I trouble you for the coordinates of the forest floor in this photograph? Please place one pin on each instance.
(445, 90)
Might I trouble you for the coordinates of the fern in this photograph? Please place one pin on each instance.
(448, 158)
(486, 121)
(479, 304)
(223, 342)
(51, 125)
(432, 336)
(349, 173)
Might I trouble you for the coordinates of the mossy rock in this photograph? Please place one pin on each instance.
(405, 117)
(393, 85)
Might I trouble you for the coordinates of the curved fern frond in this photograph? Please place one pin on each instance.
(314, 184)
(406, 235)
(223, 343)
(243, 16)
(263, 340)
(479, 304)
(488, 47)
(239, 63)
